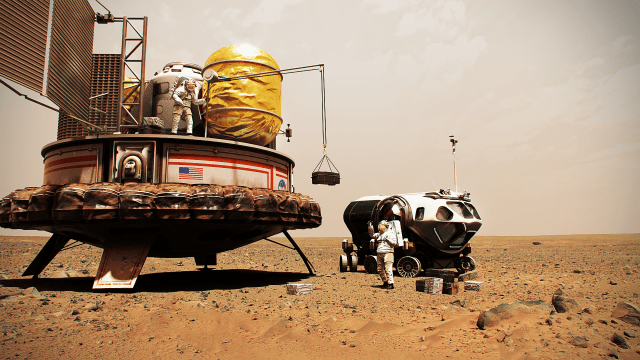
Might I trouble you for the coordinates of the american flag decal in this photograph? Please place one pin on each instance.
(190, 173)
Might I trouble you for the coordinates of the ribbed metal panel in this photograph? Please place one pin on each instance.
(23, 41)
(68, 127)
(70, 56)
(105, 78)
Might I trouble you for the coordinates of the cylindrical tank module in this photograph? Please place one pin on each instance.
(246, 110)
(164, 84)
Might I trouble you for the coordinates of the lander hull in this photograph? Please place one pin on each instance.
(139, 195)
(191, 196)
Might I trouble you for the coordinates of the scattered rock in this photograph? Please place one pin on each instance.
(613, 282)
(613, 353)
(506, 311)
(500, 337)
(563, 304)
(91, 307)
(578, 341)
(536, 243)
(620, 341)
(630, 333)
(627, 312)
(33, 292)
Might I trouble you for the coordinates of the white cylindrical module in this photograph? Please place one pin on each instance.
(165, 82)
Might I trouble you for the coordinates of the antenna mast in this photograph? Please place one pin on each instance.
(453, 146)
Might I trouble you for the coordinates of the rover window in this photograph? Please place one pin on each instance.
(474, 211)
(160, 88)
(459, 240)
(460, 209)
(420, 213)
(444, 214)
(446, 231)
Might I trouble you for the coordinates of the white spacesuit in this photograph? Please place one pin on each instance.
(183, 97)
(387, 241)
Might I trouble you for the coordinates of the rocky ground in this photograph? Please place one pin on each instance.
(241, 308)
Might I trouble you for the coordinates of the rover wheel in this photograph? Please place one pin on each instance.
(370, 264)
(343, 263)
(354, 263)
(465, 264)
(408, 266)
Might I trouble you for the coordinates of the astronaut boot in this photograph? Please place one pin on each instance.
(390, 286)
(385, 285)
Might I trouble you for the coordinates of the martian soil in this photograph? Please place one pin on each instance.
(240, 309)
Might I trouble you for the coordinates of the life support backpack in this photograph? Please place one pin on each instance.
(396, 230)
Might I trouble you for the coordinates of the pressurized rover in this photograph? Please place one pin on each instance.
(433, 229)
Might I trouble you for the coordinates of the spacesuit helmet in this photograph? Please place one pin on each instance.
(189, 84)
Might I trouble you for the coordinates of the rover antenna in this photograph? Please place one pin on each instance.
(453, 146)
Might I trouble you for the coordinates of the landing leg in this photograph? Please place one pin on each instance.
(304, 258)
(121, 264)
(47, 253)
(206, 260)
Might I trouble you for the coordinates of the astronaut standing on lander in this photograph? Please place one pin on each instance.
(183, 97)
(386, 241)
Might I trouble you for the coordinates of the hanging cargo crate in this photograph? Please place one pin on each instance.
(331, 177)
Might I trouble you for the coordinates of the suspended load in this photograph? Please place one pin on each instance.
(246, 110)
(331, 177)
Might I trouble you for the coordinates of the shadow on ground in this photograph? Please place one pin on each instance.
(169, 281)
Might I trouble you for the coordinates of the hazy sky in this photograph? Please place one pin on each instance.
(543, 96)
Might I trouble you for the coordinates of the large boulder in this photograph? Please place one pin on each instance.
(563, 304)
(627, 312)
(502, 312)
(620, 341)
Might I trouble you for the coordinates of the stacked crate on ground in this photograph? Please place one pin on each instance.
(449, 280)
(470, 285)
(299, 289)
(430, 285)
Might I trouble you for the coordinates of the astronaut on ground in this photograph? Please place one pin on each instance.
(386, 241)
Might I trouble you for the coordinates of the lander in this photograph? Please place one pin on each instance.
(118, 179)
